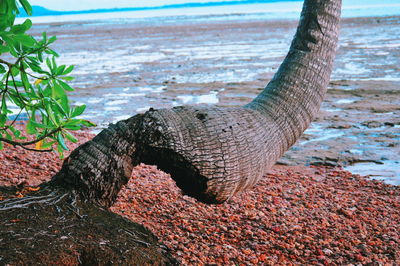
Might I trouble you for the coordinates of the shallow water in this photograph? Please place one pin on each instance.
(388, 171)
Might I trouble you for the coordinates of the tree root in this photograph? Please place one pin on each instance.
(54, 226)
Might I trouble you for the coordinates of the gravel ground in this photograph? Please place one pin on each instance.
(296, 214)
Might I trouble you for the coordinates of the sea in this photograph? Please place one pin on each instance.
(273, 10)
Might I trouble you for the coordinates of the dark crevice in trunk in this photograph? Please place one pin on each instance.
(186, 176)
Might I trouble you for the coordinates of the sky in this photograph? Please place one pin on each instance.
(68, 5)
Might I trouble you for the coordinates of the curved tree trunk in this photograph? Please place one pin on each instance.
(213, 153)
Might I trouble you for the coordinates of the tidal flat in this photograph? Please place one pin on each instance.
(125, 67)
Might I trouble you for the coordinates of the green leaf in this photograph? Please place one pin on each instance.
(46, 97)
(48, 63)
(14, 71)
(47, 145)
(3, 105)
(30, 128)
(16, 132)
(2, 69)
(3, 120)
(27, 23)
(35, 67)
(61, 141)
(18, 29)
(24, 39)
(73, 122)
(39, 125)
(51, 52)
(60, 70)
(53, 60)
(87, 123)
(58, 90)
(16, 98)
(60, 109)
(70, 137)
(47, 91)
(40, 56)
(60, 151)
(25, 81)
(17, 83)
(71, 127)
(1, 145)
(50, 113)
(65, 105)
(13, 52)
(44, 35)
(27, 7)
(8, 136)
(4, 49)
(78, 110)
(52, 39)
(65, 86)
(68, 70)
(67, 78)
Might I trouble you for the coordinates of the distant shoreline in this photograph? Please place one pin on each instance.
(42, 11)
(249, 9)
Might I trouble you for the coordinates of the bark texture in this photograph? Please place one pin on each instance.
(213, 153)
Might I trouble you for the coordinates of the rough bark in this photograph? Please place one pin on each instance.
(213, 153)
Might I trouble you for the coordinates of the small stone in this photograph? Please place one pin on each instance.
(327, 251)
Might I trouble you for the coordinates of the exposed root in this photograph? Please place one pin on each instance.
(55, 226)
(53, 197)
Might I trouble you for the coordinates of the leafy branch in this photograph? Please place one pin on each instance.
(34, 86)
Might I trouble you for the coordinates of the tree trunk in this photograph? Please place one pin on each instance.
(213, 153)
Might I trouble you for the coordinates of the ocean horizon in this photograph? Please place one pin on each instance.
(253, 9)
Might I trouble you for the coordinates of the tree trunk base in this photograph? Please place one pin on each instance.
(53, 226)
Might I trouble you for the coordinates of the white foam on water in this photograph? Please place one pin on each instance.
(143, 109)
(210, 98)
(385, 78)
(123, 95)
(108, 61)
(121, 117)
(117, 102)
(95, 100)
(346, 101)
(112, 108)
(352, 68)
(320, 134)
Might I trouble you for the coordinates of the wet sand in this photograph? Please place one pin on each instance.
(126, 67)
